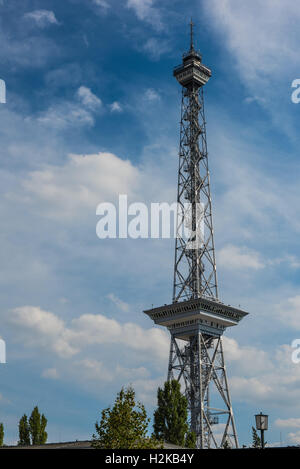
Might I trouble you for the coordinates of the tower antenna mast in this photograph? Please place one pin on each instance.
(192, 34)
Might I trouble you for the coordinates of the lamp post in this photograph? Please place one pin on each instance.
(262, 425)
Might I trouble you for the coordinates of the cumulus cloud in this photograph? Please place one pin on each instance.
(101, 3)
(42, 329)
(274, 46)
(246, 357)
(255, 375)
(65, 115)
(291, 422)
(116, 107)
(73, 348)
(269, 377)
(146, 11)
(91, 329)
(88, 98)
(250, 388)
(268, 64)
(234, 257)
(250, 207)
(151, 95)
(294, 437)
(42, 18)
(289, 312)
(77, 113)
(39, 328)
(81, 183)
(155, 47)
(29, 52)
(74, 189)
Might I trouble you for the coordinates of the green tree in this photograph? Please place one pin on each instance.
(37, 427)
(256, 442)
(190, 440)
(124, 426)
(226, 445)
(24, 435)
(1, 434)
(43, 433)
(170, 417)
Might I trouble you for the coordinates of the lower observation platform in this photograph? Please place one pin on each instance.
(187, 318)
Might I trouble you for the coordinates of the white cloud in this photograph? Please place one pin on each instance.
(254, 99)
(234, 257)
(262, 37)
(267, 65)
(72, 113)
(291, 422)
(145, 11)
(91, 370)
(255, 376)
(246, 357)
(116, 107)
(42, 17)
(88, 98)
(119, 303)
(151, 95)
(250, 205)
(260, 377)
(289, 312)
(156, 47)
(101, 3)
(294, 438)
(74, 189)
(91, 329)
(258, 34)
(251, 388)
(290, 260)
(93, 374)
(146, 389)
(29, 52)
(65, 115)
(81, 184)
(128, 352)
(37, 328)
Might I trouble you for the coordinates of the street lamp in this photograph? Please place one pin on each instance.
(262, 425)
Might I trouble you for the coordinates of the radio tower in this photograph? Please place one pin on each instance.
(197, 318)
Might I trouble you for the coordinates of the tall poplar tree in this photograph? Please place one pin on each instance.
(170, 417)
(24, 435)
(1, 434)
(43, 433)
(37, 427)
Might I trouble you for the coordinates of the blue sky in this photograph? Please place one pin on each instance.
(93, 111)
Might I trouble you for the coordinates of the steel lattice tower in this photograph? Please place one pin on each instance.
(197, 318)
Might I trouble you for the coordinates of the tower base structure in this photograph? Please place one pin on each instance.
(197, 361)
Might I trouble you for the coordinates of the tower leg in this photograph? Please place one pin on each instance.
(199, 366)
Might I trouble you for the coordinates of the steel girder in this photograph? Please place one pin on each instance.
(199, 366)
(195, 266)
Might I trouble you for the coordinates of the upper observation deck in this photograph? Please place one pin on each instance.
(184, 319)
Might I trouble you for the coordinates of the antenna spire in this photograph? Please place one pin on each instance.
(192, 35)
